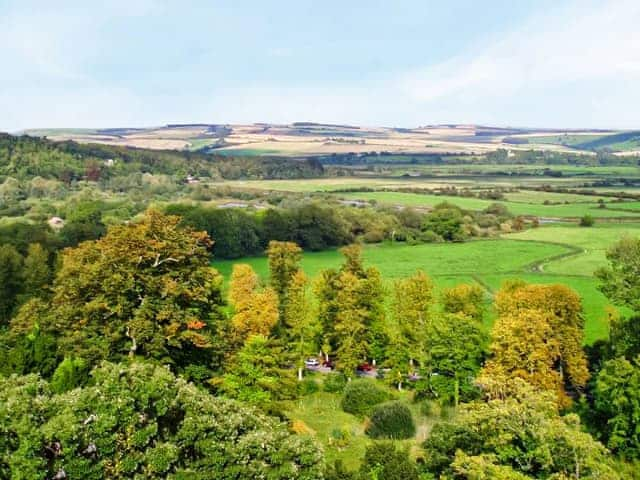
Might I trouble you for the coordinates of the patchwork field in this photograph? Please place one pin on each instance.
(570, 210)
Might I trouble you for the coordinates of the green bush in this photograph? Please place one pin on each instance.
(335, 382)
(360, 396)
(391, 420)
(308, 386)
(587, 221)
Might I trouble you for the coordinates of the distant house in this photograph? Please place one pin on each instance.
(354, 203)
(191, 179)
(56, 223)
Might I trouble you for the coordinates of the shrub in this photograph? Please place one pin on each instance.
(391, 420)
(360, 396)
(308, 386)
(587, 221)
(382, 460)
(335, 383)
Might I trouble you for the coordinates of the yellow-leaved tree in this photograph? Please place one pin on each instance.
(538, 337)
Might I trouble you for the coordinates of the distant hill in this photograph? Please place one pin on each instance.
(303, 139)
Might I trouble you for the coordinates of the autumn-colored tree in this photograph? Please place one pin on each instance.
(523, 346)
(466, 298)
(411, 304)
(353, 260)
(301, 327)
(244, 282)
(259, 315)
(539, 337)
(255, 310)
(145, 288)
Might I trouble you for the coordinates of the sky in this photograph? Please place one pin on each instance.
(403, 63)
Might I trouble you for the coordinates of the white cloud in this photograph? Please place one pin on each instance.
(577, 43)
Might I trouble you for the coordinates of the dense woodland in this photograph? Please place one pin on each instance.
(125, 354)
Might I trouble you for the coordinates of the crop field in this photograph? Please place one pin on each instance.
(571, 210)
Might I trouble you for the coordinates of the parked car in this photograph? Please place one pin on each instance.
(365, 367)
(311, 363)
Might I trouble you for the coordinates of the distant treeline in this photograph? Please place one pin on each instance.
(500, 157)
(24, 157)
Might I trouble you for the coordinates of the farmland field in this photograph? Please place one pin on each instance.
(488, 262)
(571, 210)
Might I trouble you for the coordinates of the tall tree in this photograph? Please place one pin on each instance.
(259, 315)
(244, 282)
(284, 262)
(299, 320)
(617, 404)
(145, 289)
(350, 328)
(10, 284)
(621, 280)
(556, 339)
(139, 421)
(411, 305)
(256, 374)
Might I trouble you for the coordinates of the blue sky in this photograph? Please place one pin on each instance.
(395, 63)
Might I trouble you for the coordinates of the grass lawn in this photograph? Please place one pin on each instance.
(320, 415)
(572, 210)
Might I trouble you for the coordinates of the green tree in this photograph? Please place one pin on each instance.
(140, 421)
(256, 375)
(456, 346)
(299, 320)
(524, 433)
(620, 282)
(411, 305)
(36, 271)
(447, 221)
(617, 402)
(284, 262)
(10, 284)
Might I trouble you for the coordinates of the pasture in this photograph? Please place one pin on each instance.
(487, 262)
(565, 210)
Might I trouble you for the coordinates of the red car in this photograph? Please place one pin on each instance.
(365, 367)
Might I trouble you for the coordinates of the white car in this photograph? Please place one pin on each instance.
(311, 363)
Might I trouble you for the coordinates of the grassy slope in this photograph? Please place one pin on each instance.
(571, 210)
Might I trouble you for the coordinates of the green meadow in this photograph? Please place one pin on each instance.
(564, 210)
(552, 254)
